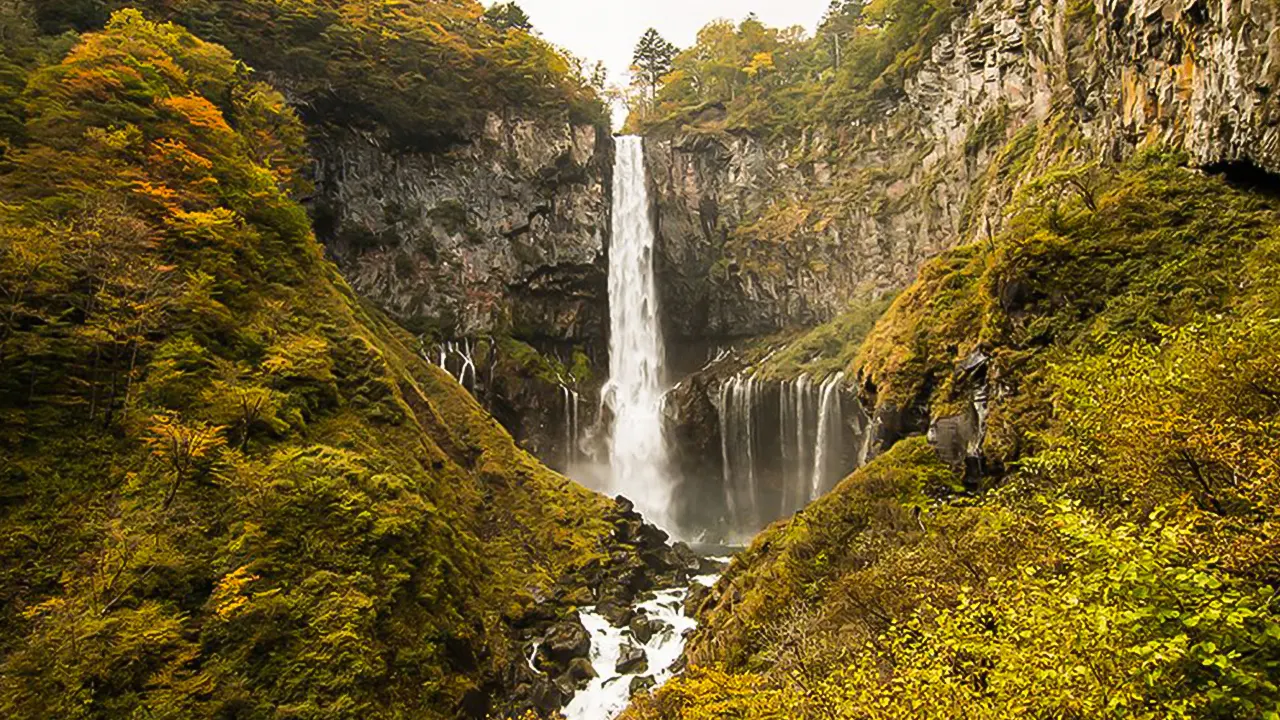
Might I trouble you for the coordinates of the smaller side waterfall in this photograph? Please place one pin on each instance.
(738, 445)
(782, 445)
(572, 400)
(830, 440)
(456, 359)
(796, 422)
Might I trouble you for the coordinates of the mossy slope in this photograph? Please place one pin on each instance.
(1124, 564)
(231, 489)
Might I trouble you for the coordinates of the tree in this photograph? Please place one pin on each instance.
(508, 16)
(599, 77)
(653, 59)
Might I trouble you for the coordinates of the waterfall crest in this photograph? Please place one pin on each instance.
(638, 460)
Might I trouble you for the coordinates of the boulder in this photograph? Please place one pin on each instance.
(566, 686)
(641, 629)
(564, 641)
(642, 683)
(686, 557)
(616, 613)
(631, 661)
(581, 671)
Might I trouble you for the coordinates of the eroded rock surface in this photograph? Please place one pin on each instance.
(756, 235)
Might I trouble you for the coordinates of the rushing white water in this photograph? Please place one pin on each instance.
(638, 460)
(607, 695)
(465, 364)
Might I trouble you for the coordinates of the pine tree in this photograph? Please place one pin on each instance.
(653, 59)
(508, 16)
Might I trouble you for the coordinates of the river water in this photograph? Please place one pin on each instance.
(608, 694)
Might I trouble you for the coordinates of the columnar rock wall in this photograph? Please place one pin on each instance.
(758, 235)
(503, 237)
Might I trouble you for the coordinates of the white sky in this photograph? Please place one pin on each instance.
(607, 30)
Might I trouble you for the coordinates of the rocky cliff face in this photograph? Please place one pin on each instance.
(503, 237)
(757, 235)
(761, 234)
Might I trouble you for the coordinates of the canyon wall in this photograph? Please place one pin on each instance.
(759, 234)
(494, 251)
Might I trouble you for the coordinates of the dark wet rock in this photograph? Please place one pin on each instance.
(627, 530)
(579, 595)
(625, 506)
(581, 671)
(631, 660)
(566, 686)
(685, 557)
(709, 566)
(642, 684)
(642, 629)
(698, 595)
(617, 614)
(546, 697)
(564, 641)
(535, 615)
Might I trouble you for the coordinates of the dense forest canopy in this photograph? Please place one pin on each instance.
(425, 71)
(772, 80)
(231, 488)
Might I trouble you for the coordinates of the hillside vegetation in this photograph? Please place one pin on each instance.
(779, 81)
(1122, 556)
(228, 488)
(423, 72)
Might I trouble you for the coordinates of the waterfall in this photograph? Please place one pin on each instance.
(777, 459)
(571, 402)
(830, 432)
(637, 455)
(739, 399)
(727, 442)
(466, 364)
(796, 428)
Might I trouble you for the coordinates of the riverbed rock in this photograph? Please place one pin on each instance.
(616, 613)
(642, 684)
(631, 660)
(686, 557)
(566, 686)
(581, 671)
(641, 629)
(546, 697)
(564, 641)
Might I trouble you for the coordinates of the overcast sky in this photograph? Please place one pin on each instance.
(607, 30)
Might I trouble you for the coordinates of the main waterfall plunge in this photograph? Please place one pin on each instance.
(638, 458)
(781, 443)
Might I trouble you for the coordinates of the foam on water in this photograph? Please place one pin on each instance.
(607, 695)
